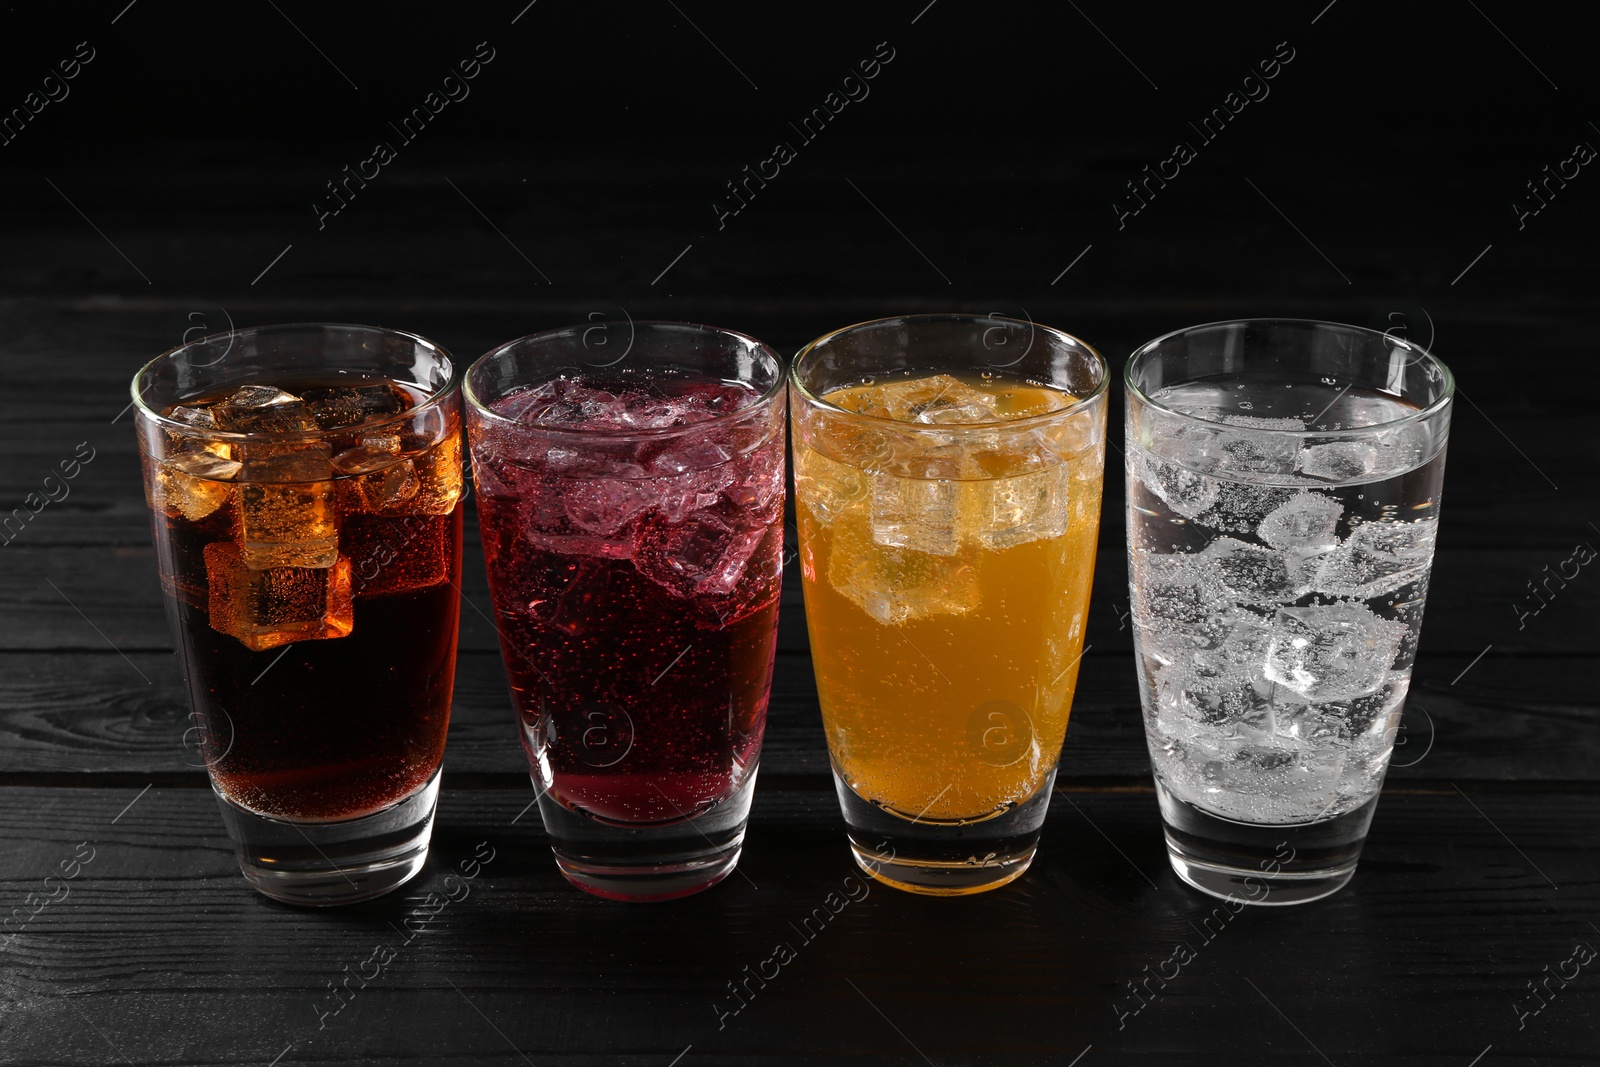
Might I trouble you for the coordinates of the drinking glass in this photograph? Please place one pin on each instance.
(304, 484)
(947, 489)
(1283, 501)
(632, 512)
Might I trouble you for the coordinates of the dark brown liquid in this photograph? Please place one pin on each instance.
(337, 726)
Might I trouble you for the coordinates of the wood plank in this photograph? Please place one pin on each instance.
(160, 946)
(1525, 719)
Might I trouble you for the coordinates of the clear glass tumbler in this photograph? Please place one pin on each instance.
(632, 514)
(947, 488)
(304, 484)
(1283, 501)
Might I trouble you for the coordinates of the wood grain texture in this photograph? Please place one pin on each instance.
(985, 162)
(159, 946)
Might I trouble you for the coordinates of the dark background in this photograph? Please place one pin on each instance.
(172, 189)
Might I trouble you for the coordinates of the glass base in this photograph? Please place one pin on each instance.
(940, 858)
(1265, 864)
(328, 863)
(654, 861)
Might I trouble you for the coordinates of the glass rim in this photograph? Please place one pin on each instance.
(1446, 396)
(432, 400)
(762, 399)
(1079, 403)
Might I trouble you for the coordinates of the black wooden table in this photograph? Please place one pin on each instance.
(587, 176)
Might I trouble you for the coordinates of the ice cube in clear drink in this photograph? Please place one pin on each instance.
(1339, 461)
(1305, 520)
(1330, 652)
(1252, 574)
(1185, 492)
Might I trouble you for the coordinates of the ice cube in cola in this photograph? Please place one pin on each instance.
(309, 535)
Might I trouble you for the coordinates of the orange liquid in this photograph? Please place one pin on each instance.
(946, 614)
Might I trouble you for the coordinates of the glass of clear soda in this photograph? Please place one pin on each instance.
(1284, 481)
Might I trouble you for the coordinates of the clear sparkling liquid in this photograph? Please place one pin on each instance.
(1278, 582)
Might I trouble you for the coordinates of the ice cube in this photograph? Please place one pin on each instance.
(341, 406)
(1373, 718)
(1243, 450)
(689, 454)
(826, 488)
(897, 586)
(1252, 574)
(915, 513)
(438, 470)
(1405, 540)
(1023, 508)
(1353, 570)
(1305, 520)
(1260, 423)
(678, 498)
(372, 454)
(1178, 593)
(604, 506)
(1331, 652)
(757, 486)
(272, 606)
(199, 418)
(377, 478)
(937, 400)
(287, 513)
(1180, 717)
(1339, 461)
(197, 483)
(264, 409)
(396, 554)
(705, 554)
(1184, 491)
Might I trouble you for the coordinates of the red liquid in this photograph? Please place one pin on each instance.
(637, 601)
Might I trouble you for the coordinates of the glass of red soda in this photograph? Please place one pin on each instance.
(305, 491)
(630, 481)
